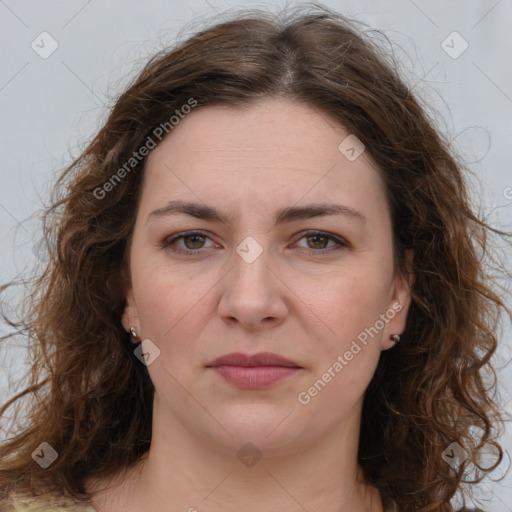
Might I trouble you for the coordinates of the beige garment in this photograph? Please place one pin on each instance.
(43, 504)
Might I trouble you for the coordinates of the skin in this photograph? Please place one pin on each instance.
(248, 163)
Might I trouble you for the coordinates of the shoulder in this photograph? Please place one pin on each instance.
(21, 503)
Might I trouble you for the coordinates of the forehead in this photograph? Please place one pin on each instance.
(284, 128)
(267, 151)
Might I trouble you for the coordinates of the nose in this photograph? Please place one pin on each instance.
(254, 295)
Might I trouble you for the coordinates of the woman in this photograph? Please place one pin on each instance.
(266, 292)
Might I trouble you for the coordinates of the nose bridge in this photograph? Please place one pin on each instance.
(250, 265)
(251, 293)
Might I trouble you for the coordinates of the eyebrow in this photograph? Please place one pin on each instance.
(288, 214)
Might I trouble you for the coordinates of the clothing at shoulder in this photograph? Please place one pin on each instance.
(41, 504)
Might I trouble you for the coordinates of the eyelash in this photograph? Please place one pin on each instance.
(341, 244)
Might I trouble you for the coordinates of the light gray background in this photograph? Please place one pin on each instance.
(51, 107)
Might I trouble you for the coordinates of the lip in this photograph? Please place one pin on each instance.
(257, 371)
(259, 359)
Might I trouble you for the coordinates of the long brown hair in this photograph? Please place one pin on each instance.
(91, 399)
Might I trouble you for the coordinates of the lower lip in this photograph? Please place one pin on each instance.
(254, 377)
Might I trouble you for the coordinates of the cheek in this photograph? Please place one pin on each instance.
(170, 302)
(172, 310)
(350, 301)
(347, 359)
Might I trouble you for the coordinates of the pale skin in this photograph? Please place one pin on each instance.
(247, 164)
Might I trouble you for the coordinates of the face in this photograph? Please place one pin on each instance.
(290, 253)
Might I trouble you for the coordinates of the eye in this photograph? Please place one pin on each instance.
(319, 241)
(193, 241)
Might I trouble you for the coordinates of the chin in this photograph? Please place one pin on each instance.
(268, 431)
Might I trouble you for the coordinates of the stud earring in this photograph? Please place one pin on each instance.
(395, 338)
(133, 332)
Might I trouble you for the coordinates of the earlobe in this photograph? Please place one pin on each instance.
(130, 317)
(399, 304)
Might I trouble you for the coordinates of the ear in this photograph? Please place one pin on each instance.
(399, 303)
(130, 316)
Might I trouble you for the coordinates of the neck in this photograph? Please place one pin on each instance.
(184, 472)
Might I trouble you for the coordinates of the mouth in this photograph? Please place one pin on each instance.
(257, 371)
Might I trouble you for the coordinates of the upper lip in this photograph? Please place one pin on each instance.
(260, 359)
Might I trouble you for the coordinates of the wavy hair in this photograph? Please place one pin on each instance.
(91, 399)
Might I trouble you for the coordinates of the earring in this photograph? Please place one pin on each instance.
(133, 332)
(395, 338)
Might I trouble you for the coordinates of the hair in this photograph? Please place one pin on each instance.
(91, 399)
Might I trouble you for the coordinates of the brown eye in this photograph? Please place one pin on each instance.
(193, 241)
(319, 241)
(189, 243)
